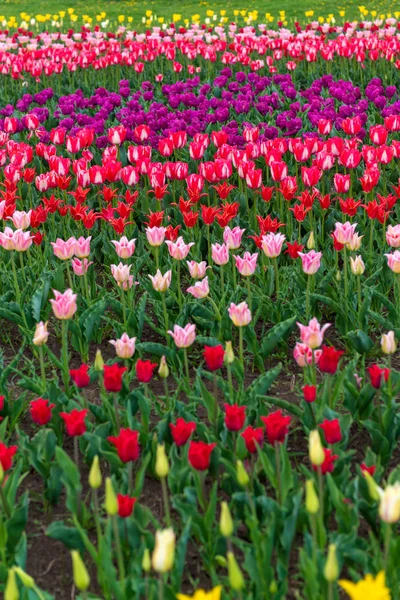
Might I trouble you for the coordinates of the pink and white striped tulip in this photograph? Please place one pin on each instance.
(246, 265)
(124, 247)
(239, 314)
(179, 250)
(183, 336)
(200, 289)
(312, 334)
(272, 244)
(64, 305)
(124, 346)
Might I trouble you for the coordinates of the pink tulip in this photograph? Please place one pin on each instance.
(272, 244)
(82, 247)
(246, 265)
(124, 346)
(179, 250)
(64, 250)
(220, 254)
(155, 235)
(303, 355)
(64, 305)
(355, 242)
(120, 272)
(310, 261)
(22, 240)
(239, 314)
(183, 336)
(394, 261)
(200, 289)
(2, 208)
(41, 334)
(7, 239)
(312, 334)
(124, 247)
(393, 236)
(233, 237)
(344, 232)
(21, 219)
(80, 267)
(128, 284)
(197, 270)
(161, 282)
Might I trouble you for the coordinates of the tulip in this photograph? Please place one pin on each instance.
(200, 289)
(312, 502)
(304, 356)
(127, 444)
(124, 247)
(312, 334)
(388, 343)
(95, 479)
(394, 261)
(197, 270)
(124, 346)
(357, 265)
(112, 377)
(253, 437)
(146, 561)
(80, 573)
(310, 261)
(144, 370)
(242, 476)
(64, 250)
(155, 235)
(160, 282)
(389, 506)
(331, 568)
(111, 502)
(393, 236)
(161, 467)
(11, 589)
(344, 232)
(220, 254)
(225, 521)
(355, 242)
(80, 267)
(246, 265)
(272, 244)
(120, 273)
(163, 371)
(232, 237)
(22, 240)
(41, 334)
(164, 551)
(315, 448)
(41, 410)
(179, 250)
(183, 336)
(236, 580)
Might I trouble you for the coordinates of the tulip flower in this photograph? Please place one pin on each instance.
(80, 574)
(161, 282)
(253, 437)
(163, 556)
(40, 410)
(199, 455)
(64, 305)
(183, 336)
(80, 376)
(331, 431)
(124, 346)
(182, 430)
(388, 343)
(235, 416)
(125, 505)
(312, 334)
(113, 377)
(144, 370)
(214, 357)
(200, 289)
(41, 334)
(197, 270)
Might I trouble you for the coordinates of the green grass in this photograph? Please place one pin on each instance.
(187, 8)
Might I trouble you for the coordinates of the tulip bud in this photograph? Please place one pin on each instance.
(311, 241)
(338, 276)
(331, 569)
(163, 371)
(26, 579)
(220, 560)
(41, 334)
(111, 502)
(98, 362)
(11, 590)
(315, 448)
(229, 355)
(146, 561)
(236, 580)
(164, 551)
(225, 521)
(312, 502)
(80, 573)
(162, 466)
(95, 474)
(388, 343)
(357, 265)
(373, 487)
(273, 588)
(241, 474)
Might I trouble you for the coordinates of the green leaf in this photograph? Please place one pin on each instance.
(69, 536)
(275, 335)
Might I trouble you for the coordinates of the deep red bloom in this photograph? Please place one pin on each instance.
(251, 436)
(41, 411)
(80, 376)
(182, 431)
(127, 444)
(208, 214)
(235, 416)
(113, 377)
(214, 357)
(329, 359)
(294, 249)
(2, 398)
(371, 470)
(172, 232)
(144, 370)
(329, 462)
(199, 455)
(6, 455)
(125, 505)
(331, 431)
(276, 426)
(310, 393)
(75, 421)
(377, 375)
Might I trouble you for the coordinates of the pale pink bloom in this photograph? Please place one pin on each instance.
(200, 289)
(179, 250)
(393, 236)
(312, 334)
(183, 336)
(7, 239)
(2, 208)
(155, 235)
(246, 265)
(303, 355)
(272, 244)
(310, 261)
(120, 272)
(41, 334)
(161, 282)
(22, 240)
(82, 247)
(64, 250)
(128, 284)
(394, 261)
(80, 267)
(124, 346)
(21, 219)
(197, 270)
(124, 247)
(357, 265)
(355, 242)
(220, 254)
(64, 305)
(233, 237)
(344, 232)
(239, 314)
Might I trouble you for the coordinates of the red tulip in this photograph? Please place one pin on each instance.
(127, 444)
(377, 375)
(2, 398)
(113, 377)
(125, 505)
(293, 249)
(331, 431)
(182, 431)
(6, 455)
(41, 411)
(371, 470)
(310, 393)
(235, 416)
(252, 436)
(276, 426)
(378, 134)
(144, 370)
(199, 455)
(75, 421)
(329, 359)
(329, 462)
(214, 357)
(324, 126)
(352, 126)
(80, 376)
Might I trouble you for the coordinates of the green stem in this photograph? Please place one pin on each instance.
(165, 313)
(241, 346)
(278, 474)
(116, 412)
(249, 298)
(64, 354)
(42, 368)
(275, 261)
(308, 303)
(166, 501)
(185, 356)
(96, 515)
(180, 298)
(120, 558)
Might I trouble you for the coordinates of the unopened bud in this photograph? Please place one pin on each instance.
(98, 362)
(241, 474)
(229, 355)
(26, 579)
(225, 521)
(146, 561)
(163, 371)
(312, 502)
(315, 448)
(80, 573)
(95, 478)
(111, 502)
(235, 576)
(311, 241)
(11, 590)
(162, 466)
(331, 569)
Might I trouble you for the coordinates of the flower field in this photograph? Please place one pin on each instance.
(200, 308)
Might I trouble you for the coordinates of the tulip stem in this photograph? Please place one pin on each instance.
(278, 474)
(275, 261)
(123, 306)
(166, 501)
(241, 346)
(308, 290)
(179, 284)
(17, 290)
(161, 587)
(166, 326)
(64, 354)
(120, 558)
(388, 539)
(330, 590)
(96, 515)
(42, 368)
(4, 502)
(249, 298)
(185, 356)
(116, 412)
(221, 273)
